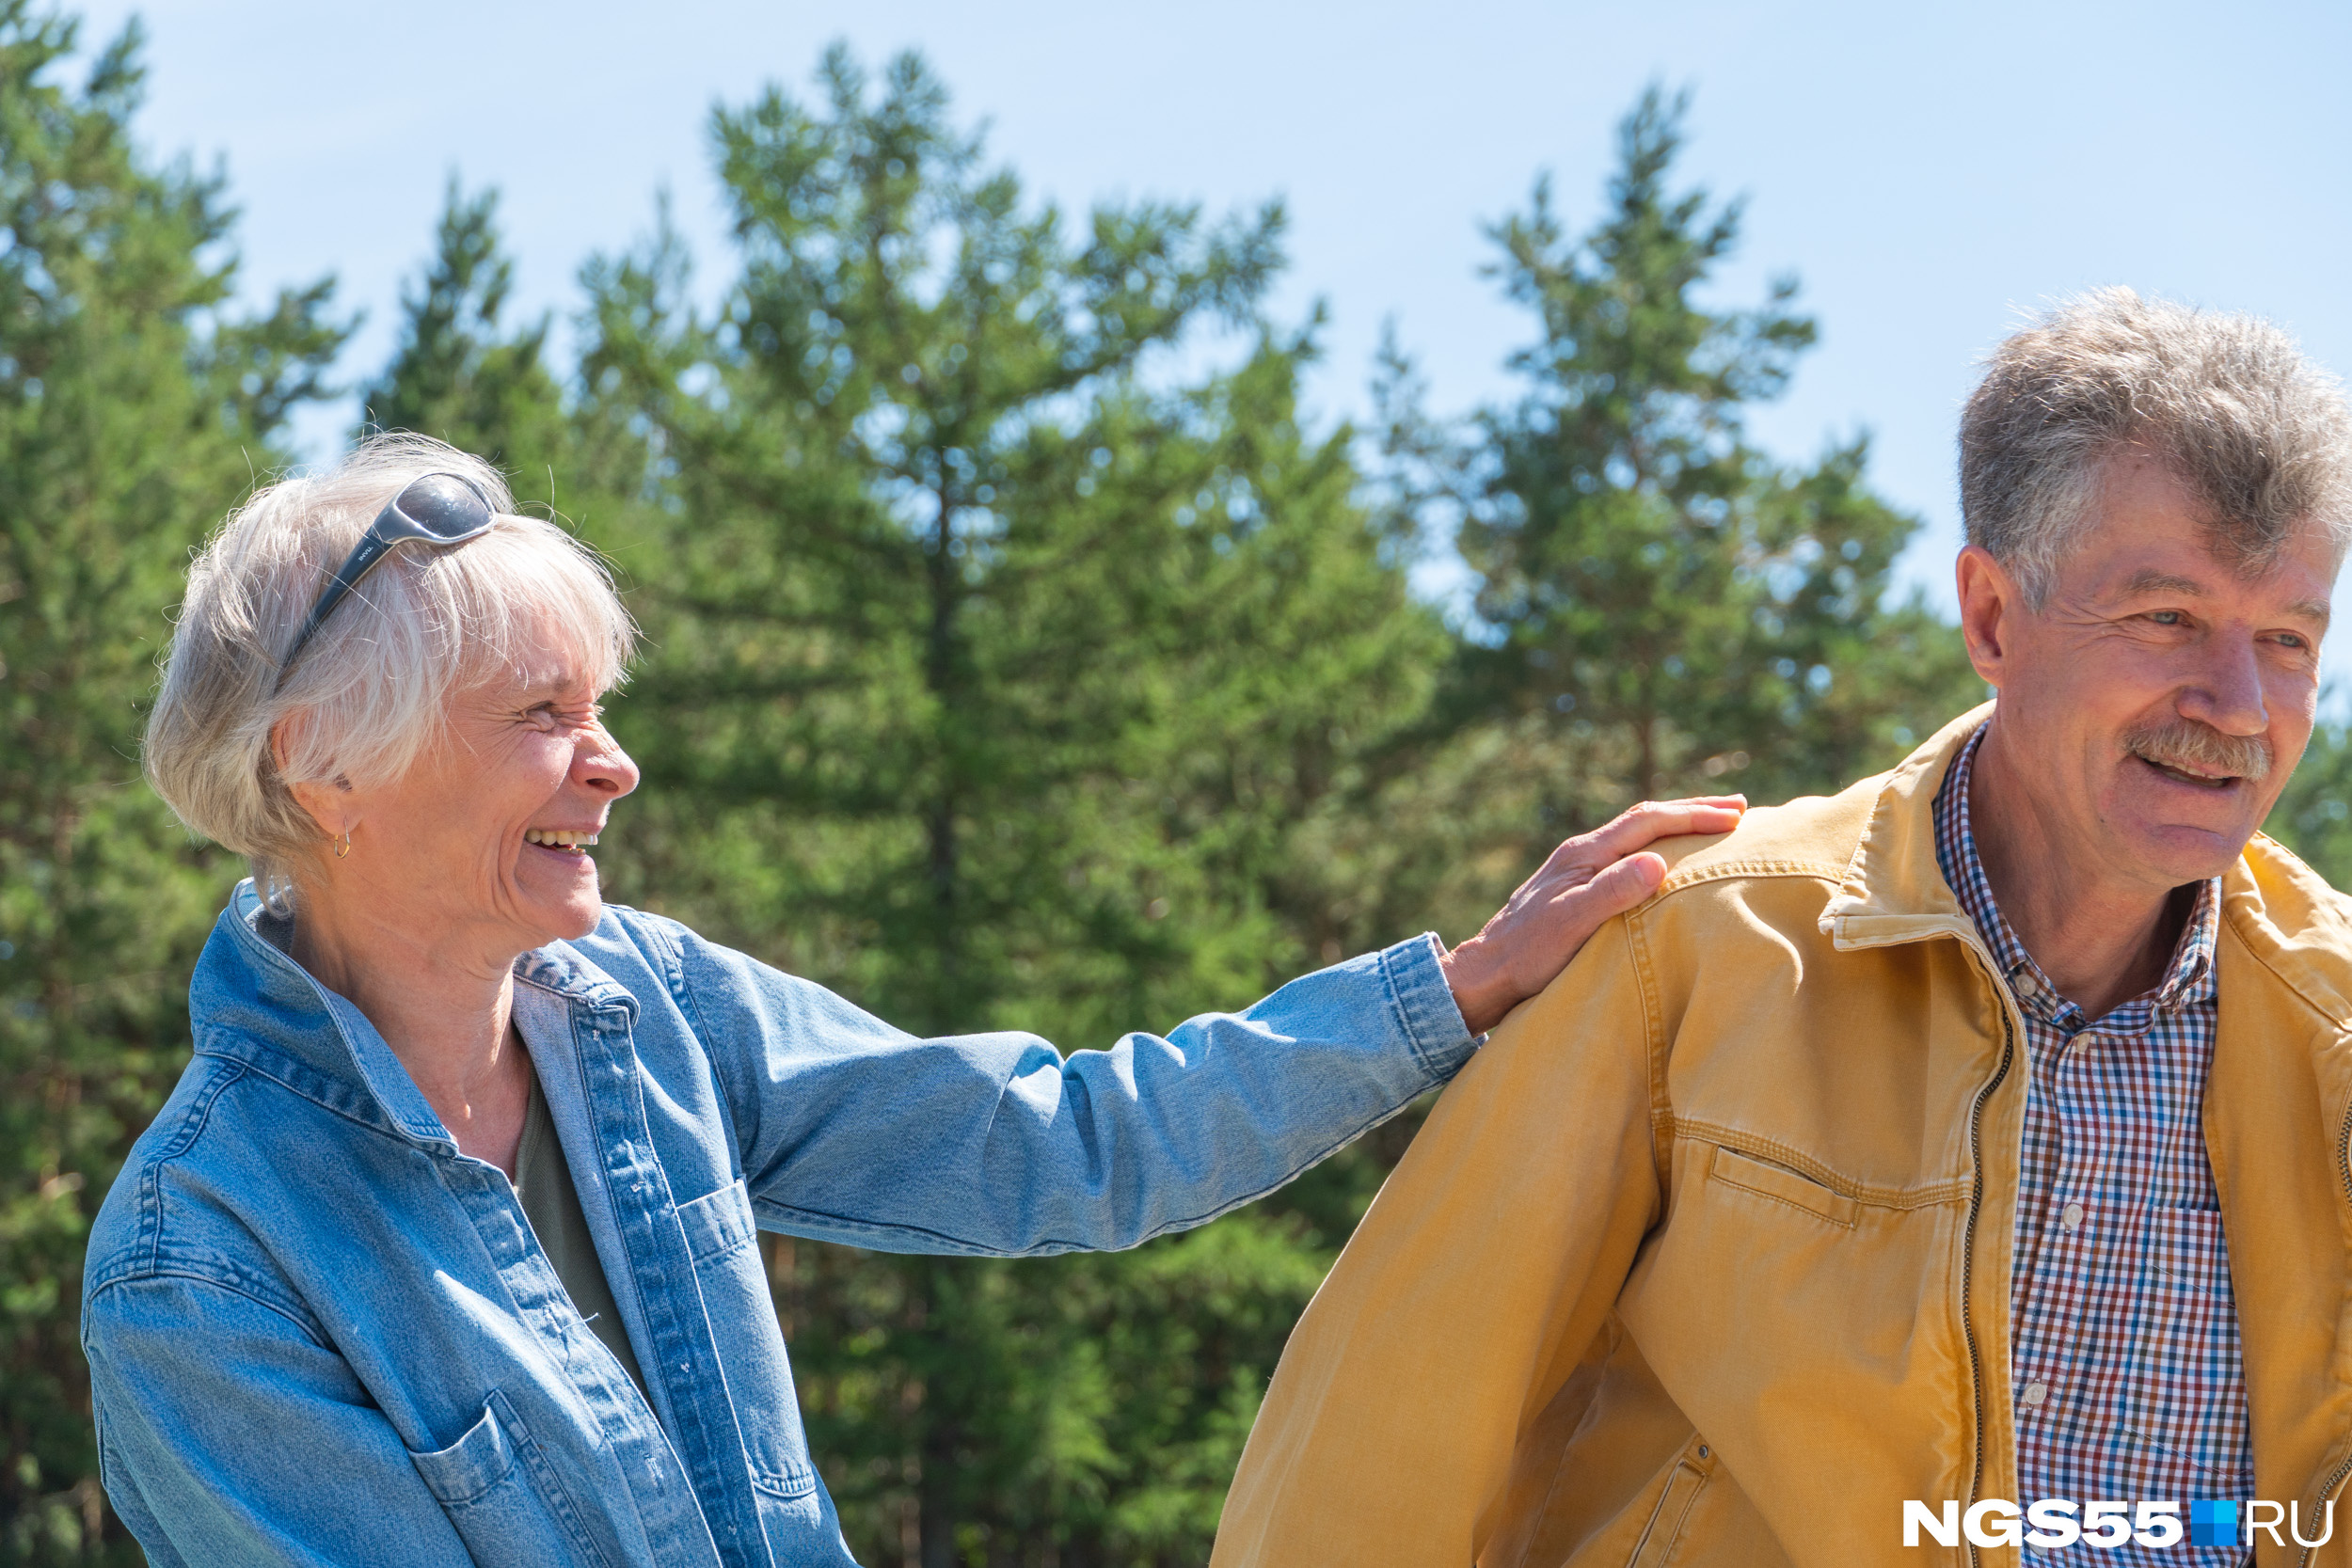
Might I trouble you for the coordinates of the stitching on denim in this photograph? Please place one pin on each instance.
(1390, 966)
(673, 961)
(257, 1067)
(672, 966)
(554, 1492)
(956, 1246)
(150, 1181)
(125, 1283)
(1398, 1018)
(787, 1480)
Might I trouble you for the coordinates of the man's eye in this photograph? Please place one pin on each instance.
(2165, 617)
(2292, 639)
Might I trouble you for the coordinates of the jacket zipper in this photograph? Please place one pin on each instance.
(2343, 1171)
(1968, 1233)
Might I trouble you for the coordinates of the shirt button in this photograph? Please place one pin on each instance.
(2035, 1393)
(2027, 985)
(2070, 1217)
(2085, 1037)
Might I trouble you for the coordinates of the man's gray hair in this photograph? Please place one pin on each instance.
(370, 692)
(2257, 433)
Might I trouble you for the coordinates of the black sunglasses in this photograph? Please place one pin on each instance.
(438, 509)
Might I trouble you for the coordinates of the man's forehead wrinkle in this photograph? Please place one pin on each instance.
(2150, 580)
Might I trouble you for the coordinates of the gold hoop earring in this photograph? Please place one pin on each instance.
(347, 848)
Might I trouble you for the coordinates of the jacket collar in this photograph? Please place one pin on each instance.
(1894, 890)
(249, 1000)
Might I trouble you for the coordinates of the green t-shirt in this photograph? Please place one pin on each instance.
(551, 1200)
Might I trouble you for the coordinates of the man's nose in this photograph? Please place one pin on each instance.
(2226, 690)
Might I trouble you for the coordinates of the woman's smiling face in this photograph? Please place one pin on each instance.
(481, 844)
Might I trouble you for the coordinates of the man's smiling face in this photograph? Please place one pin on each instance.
(2161, 696)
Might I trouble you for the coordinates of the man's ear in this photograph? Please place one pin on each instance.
(1989, 604)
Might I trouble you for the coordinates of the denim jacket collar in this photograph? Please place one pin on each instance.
(250, 998)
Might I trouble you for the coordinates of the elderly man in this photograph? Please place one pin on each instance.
(1975, 1137)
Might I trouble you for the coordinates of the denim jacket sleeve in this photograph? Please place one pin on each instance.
(852, 1131)
(182, 1447)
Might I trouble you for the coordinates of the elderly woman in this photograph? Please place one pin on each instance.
(442, 1248)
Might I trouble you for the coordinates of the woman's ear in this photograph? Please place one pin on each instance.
(328, 806)
(325, 807)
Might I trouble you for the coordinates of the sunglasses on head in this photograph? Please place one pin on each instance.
(436, 508)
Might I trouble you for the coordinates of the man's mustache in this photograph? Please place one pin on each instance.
(2196, 748)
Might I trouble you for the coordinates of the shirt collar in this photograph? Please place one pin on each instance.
(2189, 979)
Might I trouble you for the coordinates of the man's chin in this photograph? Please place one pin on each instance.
(2184, 829)
(2174, 853)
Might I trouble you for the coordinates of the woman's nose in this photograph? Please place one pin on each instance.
(599, 764)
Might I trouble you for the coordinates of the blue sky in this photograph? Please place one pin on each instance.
(1927, 173)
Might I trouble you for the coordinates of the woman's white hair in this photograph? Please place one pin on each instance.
(371, 691)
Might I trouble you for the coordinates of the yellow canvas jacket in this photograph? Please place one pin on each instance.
(1705, 1258)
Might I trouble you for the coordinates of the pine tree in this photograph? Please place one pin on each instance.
(459, 373)
(135, 403)
(1659, 605)
(2313, 816)
(1003, 675)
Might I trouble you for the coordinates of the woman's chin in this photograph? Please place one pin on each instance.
(579, 918)
(567, 904)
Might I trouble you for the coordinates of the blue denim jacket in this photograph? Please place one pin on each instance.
(319, 1333)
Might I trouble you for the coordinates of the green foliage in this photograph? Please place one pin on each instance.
(1665, 607)
(998, 681)
(455, 374)
(2313, 816)
(1017, 657)
(132, 399)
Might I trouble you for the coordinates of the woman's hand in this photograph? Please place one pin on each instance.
(1587, 880)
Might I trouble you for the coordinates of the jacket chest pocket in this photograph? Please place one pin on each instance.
(721, 1237)
(1684, 1483)
(1734, 1169)
(506, 1501)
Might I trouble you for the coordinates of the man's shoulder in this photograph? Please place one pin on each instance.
(2296, 924)
(1812, 838)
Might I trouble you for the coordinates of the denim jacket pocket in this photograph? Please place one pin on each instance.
(717, 1221)
(497, 1489)
(719, 1231)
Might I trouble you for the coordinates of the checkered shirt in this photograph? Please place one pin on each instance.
(2123, 1332)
